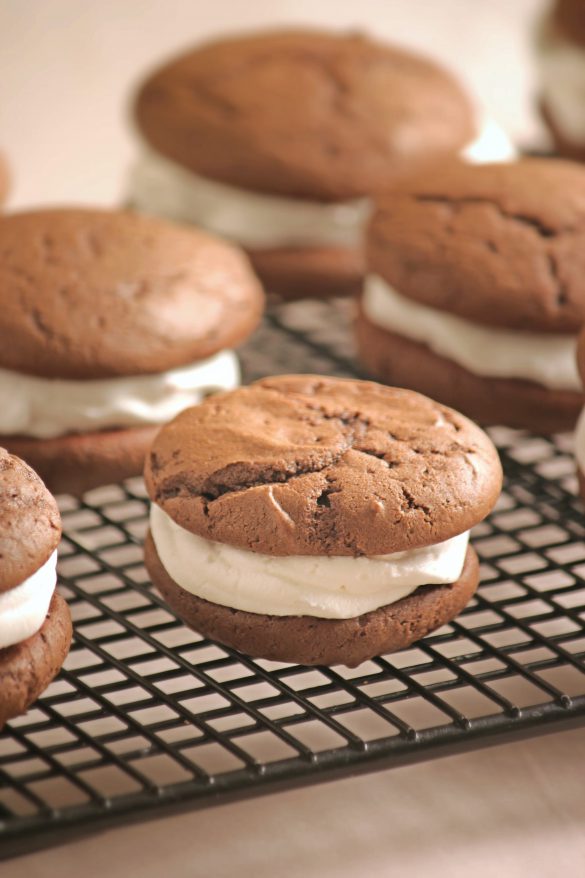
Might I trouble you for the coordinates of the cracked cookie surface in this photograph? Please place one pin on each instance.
(303, 113)
(30, 525)
(307, 465)
(501, 245)
(97, 294)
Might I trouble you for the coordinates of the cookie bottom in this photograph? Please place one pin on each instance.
(27, 668)
(79, 462)
(307, 640)
(563, 145)
(309, 272)
(396, 360)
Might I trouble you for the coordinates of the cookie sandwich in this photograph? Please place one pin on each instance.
(35, 623)
(110, 324)
(276, 140)
(317, 520)
(476, 291)
(560, 57)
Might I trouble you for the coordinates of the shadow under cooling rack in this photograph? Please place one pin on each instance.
(146, 718)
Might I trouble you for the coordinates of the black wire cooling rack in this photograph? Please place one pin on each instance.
(148, 719)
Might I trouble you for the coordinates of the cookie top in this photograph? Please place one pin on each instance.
(501, 245)
(568, 20)
(96, 294)
(30, 525)
(303, 113)
(306, 465)
(4, 179)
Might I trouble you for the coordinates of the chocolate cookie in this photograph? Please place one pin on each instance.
(35, 624)
(110, 323)
(476, 291)
(227, 110)
(100, 294)
(228, 113)
(30, 524)
(311, 471)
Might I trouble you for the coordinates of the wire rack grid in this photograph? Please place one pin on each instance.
(147, 718)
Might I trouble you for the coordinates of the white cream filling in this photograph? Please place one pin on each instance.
(580, 442)
(45, 407)
(331, 587)
(254, 220)
(24, 609)
(562, 80)
(547, 359)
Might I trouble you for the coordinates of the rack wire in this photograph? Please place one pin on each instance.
(148, 719)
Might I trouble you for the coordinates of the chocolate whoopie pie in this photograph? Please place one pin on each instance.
(110, 324)
(476, 290)
(560, 55)
(317, 520)
(35, 624)
(275, 140)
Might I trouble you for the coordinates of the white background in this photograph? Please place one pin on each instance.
(67, 68)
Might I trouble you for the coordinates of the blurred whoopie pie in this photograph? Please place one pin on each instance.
(110, 324)
(277, 139)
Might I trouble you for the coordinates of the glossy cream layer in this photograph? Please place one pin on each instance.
(44, 408)
(254, 220)
(24, 609)
(327, 587)
(546, 359)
